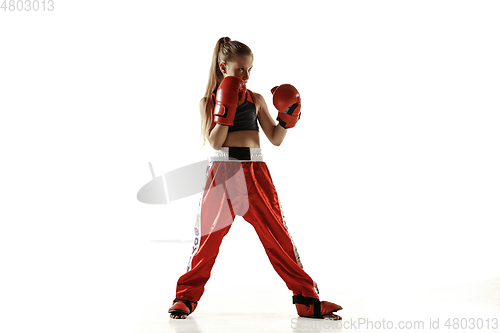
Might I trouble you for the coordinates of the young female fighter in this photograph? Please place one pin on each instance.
(239, 182)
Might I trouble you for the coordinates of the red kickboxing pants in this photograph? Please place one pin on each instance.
(239, 183)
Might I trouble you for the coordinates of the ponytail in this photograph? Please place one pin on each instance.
(225, 51)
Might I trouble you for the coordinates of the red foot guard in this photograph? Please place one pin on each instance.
(313, 307)
(182, 307)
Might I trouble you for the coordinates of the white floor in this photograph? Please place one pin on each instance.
(244, 294)
(128, 286)
(261, 309)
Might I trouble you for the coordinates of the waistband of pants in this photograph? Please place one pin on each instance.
(237, 154)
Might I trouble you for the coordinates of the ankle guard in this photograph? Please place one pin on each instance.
(313, 307)
(182, 306)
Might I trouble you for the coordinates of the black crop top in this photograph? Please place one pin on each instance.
(246, 115)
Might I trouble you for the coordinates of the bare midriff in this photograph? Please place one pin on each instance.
(242, 139)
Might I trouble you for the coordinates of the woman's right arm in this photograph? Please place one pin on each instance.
(217, 133)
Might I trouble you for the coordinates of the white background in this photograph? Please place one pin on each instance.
(391, 173)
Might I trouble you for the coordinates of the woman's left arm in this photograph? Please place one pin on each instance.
(274, 132)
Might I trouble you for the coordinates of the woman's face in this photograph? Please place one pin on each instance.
(240, 67)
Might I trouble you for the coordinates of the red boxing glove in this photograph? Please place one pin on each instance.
(230, 91)
(287, 100)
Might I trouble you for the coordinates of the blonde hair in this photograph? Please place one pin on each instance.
(225, 50)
